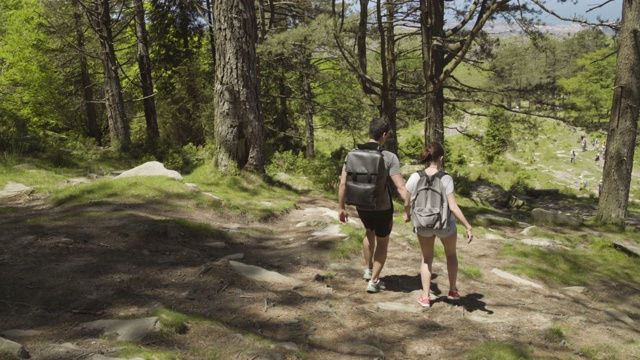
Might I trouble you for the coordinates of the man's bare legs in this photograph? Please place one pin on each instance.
(374, 250)
(368, 247)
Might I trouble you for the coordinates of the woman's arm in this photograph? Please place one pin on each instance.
(457, 212)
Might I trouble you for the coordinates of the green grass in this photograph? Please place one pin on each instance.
(499, 351)
(470, 271)
(130, 350)
(137, 189)
(555, 334)
(245, 194)
(599, 261)
(351, 245)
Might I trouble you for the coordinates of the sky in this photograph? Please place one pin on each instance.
(569, 8)
(611, 11)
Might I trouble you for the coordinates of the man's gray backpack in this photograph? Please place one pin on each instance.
(429, 205)
(366, 176)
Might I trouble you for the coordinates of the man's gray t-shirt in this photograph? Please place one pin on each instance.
(392, 164)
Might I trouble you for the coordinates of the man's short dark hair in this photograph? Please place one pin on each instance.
(377, 128)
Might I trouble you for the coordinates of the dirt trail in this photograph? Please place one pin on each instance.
(63, 266)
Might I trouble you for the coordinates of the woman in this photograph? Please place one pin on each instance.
(433, 158)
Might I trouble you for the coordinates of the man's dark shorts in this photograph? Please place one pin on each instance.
(380, 221)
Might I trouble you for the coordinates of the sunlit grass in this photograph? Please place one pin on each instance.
(499, 351)
(128, 190)
(244, 194)
(131, 350)
(349, 246)
(470, 271)
(597, 261)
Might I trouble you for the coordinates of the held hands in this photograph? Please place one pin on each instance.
(407, 218)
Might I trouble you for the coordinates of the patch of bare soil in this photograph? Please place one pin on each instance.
(62, 266)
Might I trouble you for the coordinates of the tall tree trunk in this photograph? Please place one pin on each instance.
(308, 102)
(144, 65)
(93, 130)
(433, 52)
(238, 122)
(389, 108)
(211, 32)
(118, 125)
(623, 124)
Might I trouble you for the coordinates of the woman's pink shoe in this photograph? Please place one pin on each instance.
(424, 301)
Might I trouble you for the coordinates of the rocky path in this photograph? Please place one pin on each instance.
(275, 291)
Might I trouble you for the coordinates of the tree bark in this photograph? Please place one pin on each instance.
(433, 53)
(238, 121)
(308, 102)
(93, 130)
(623, 124)
(118, 125)
(144, 65)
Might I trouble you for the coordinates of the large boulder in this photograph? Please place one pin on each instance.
(151, 168)
(13, 348)
(555, 218)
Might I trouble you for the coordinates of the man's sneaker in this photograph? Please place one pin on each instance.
(374, 287)
(424, 301)
(367, 274)
(453, 295)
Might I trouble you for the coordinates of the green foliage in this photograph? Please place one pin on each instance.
(520, 183)
(412, 147)
(498, 135)
(323, 171)
(554, 334)
(588, 93)
(185, 160)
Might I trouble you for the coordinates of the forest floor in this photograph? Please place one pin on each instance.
(67, 265)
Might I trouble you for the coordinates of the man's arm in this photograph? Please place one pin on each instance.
(398, 181)
(342, 211)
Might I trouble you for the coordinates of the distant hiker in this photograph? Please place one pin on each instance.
(600, 188)
(377, 219)
(597, 158)
(432, 157)
(573, 156)
(584, 144)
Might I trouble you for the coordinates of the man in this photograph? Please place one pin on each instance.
(379, 222)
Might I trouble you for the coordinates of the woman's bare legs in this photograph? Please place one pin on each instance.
(426, 245)
(449, 244)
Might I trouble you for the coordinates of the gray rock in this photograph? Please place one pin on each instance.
(545, 217)
(494, 219)
(151, 168)
(620, 316)
(16, 333)
(540, 242)
(13, 348)
(518, 280)
(399, 307)
(13, 189)
(329, 230)
(237, 256)
(125, 330)
(259, 274)
(575, 289)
